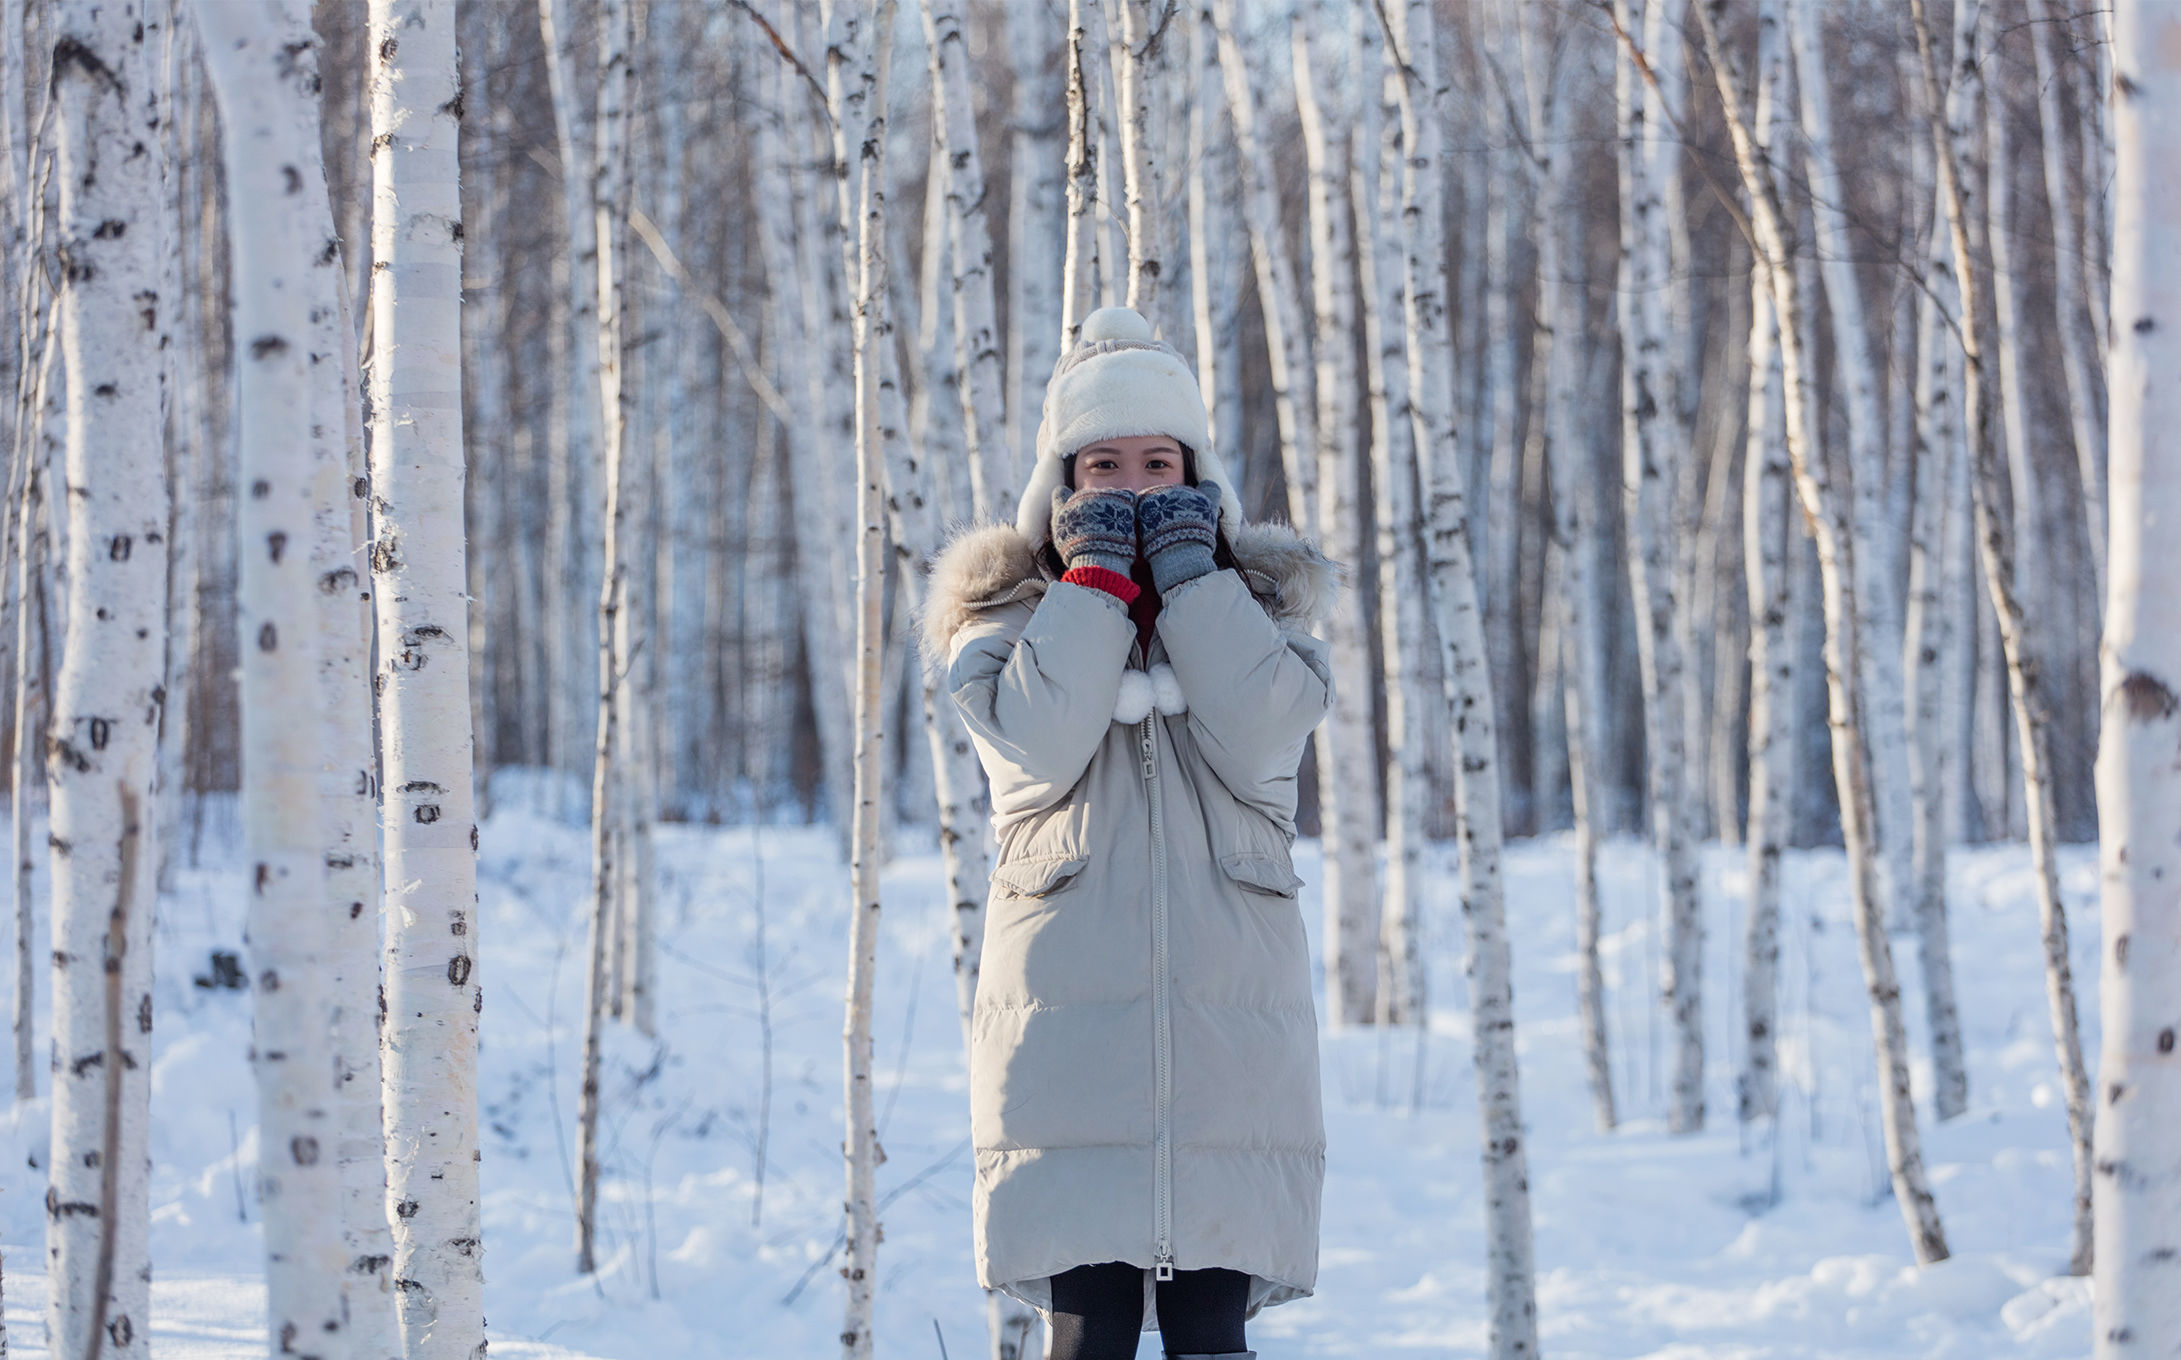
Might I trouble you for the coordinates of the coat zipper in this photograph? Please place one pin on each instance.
(1162, 1135)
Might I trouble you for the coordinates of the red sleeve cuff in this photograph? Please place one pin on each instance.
(1099, 578)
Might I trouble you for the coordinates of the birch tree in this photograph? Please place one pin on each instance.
(1996, 548)
(2137, 1306)
(1412, 45)
(101, 737)
(433, 993)
(1375, 177)
(1649, 459)
(1279, 294)
(1079, 267)
(611, 191)
(1572, 608)
(1214, 273)
(1828, 518)
(263, 58)
(863, 35)
(1768, 535)
(1877, 609)
(1347, 750)
(1141, 36)
(992, 466)
(1037, 180)
(349, 795)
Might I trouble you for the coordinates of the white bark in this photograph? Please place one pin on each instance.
(1572, 608)
(1931, 646)
(2137, 1302)
(349, 791)
(570, 647)
(1079, 268)
(861, 32)
(29, 698)
(612, 188)
(433, 993)
(100, 742)
(1828, 517)
(1997, 546)
(1346, 748)
(1037, 220)
(1650, 449)
(1215, 275)
(1141, 185)
(1279, 294)
(1376, 179)
(1512, 1289)
(2067, 278)
(264, 62)
(993, 471)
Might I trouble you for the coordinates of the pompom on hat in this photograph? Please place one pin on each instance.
(1119, 383)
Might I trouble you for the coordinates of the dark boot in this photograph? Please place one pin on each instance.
(1226, 1355)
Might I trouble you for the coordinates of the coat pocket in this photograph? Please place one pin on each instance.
(1272, 872)
(1038, 876)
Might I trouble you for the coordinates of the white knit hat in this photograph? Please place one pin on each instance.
(1119, 383)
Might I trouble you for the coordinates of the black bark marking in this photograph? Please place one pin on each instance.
(269, 980)
(387, 48)
(267, 347)
(458, 969)
(263, 880)
(143, 1014)
(2120, 951)
(276, 544)
(304, 1149)
(291, 181)
(453, 107)
(119, 549)
(70, 52)
(2145, 698)
(120, 1330)
(101, 732)
(112, 229)
(338, 580)
(371, 1265)
(360, 488)
(427, 813)
(422, 786)
(106, 390)
(268, 639)
(2165, 1040)
(61, 751)
(91, 1158)
(386, 553)
(2144, 325)
(406, 1209)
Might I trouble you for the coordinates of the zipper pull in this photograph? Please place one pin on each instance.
(1151, 762)
(1164, 1270)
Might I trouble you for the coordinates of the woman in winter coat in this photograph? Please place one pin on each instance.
(1130, 660)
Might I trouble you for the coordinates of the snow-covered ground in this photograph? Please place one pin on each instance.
(1647, 1245)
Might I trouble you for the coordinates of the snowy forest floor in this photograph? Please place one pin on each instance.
(1647, 1245)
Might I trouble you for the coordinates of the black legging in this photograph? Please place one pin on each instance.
(1098, 1312)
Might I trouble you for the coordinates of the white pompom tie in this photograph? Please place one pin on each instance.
(1141, 691)
(1115, 323)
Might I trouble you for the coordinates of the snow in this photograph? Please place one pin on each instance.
(1717, 1245)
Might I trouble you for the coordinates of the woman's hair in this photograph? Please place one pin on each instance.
(1222, 552)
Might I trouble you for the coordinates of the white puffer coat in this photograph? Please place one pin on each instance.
(1144, 1060)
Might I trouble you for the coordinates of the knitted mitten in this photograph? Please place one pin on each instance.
(1095, 528)
(1179, 526)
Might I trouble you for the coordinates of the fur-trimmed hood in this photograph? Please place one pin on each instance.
(987, 565)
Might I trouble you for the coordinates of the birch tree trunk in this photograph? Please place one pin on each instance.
(1996, 548)
(1649, 454)
(100, 744)
(1767, 535)
(1828, 517)
(1931, 644)
(1037, 182)
(433, 993)
(30, 697)
(1079, 268)
(1376, 185)
(612, 189)
(863, 35)
(1573, 607)
(1412, 44)
(1140, 166)
(570, 647)
(992, 469)
(1346, 748)
(2137, 1307)
(1279, 294)
(263, 60)
(1214, 273)
(349, 794)
(2067, 286)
